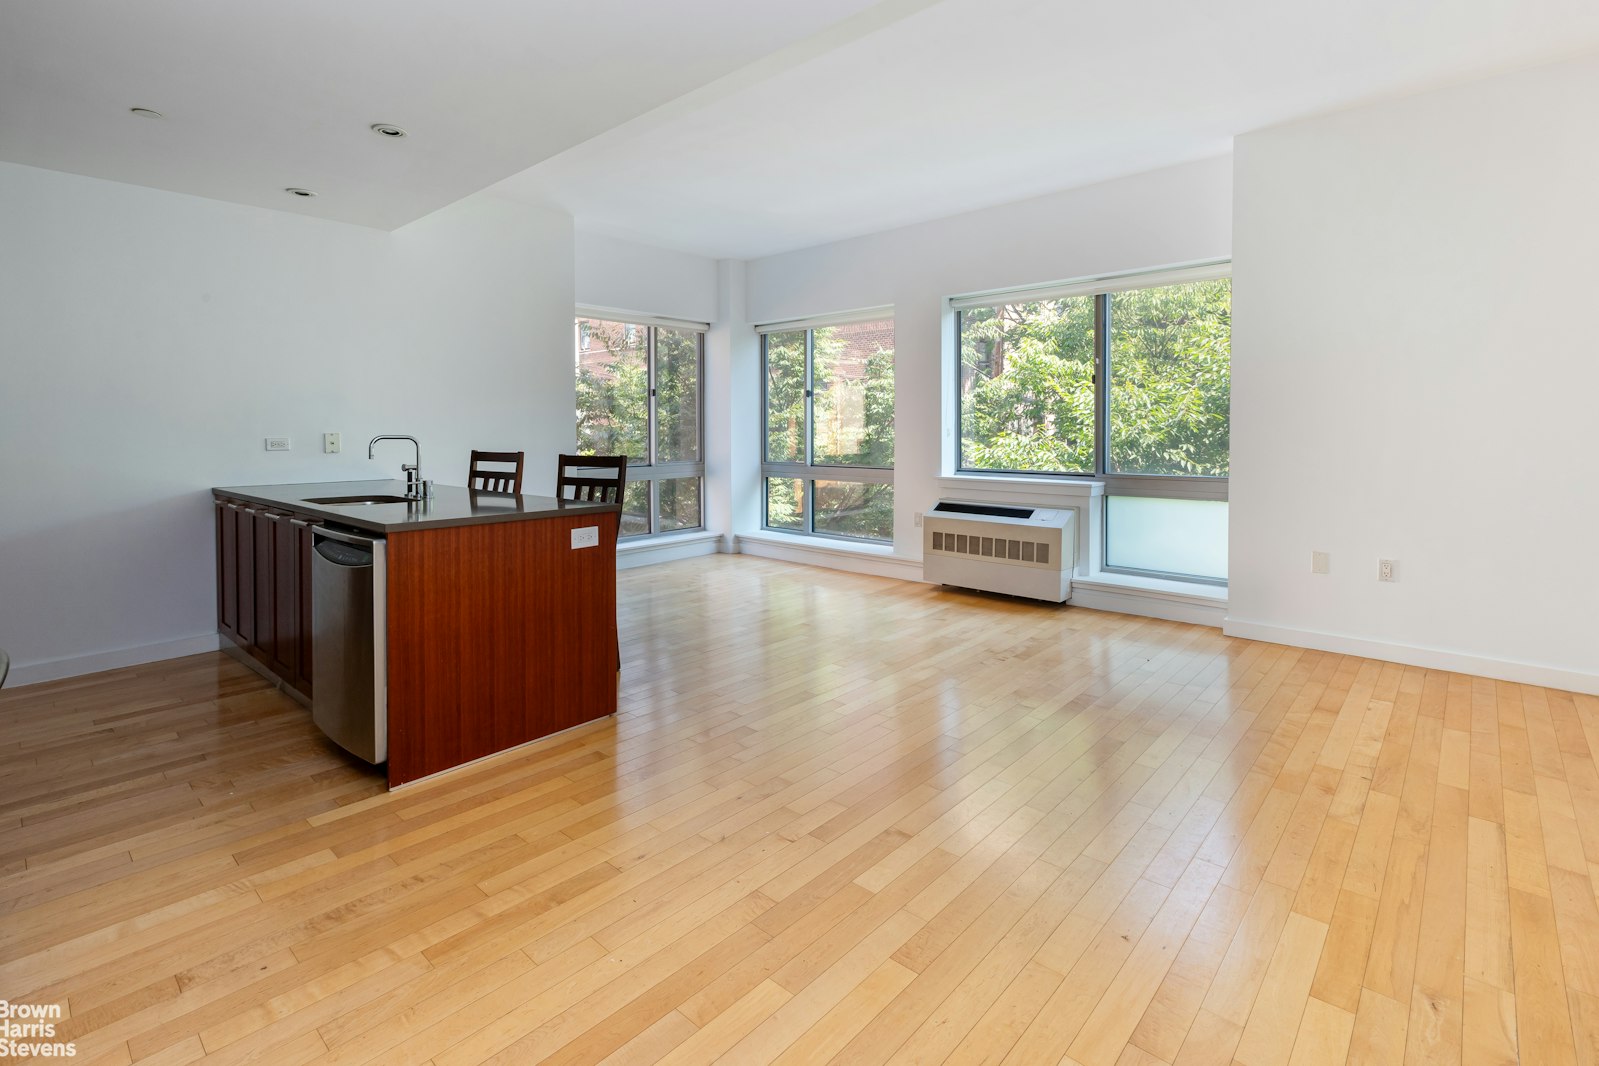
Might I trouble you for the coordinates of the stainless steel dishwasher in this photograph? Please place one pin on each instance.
(349, 701)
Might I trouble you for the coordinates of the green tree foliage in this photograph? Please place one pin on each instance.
(612, 390)
(1027, 386)
(1027, 383)
(1171, 379)
(785, 397)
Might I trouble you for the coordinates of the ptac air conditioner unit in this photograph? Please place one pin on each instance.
(1020, 551)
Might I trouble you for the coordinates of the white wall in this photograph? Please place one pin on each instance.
(734, 492)
(621, 275)
(152, 340)
(1414, 377)
(1176, 215)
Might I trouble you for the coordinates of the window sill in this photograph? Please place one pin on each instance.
(666, 548)
(663, 540)
(829, 544)
(1183, 591)
(860, 558)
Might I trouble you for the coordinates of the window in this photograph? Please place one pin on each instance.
(638, 394)
(1123, 381)
(829, 462)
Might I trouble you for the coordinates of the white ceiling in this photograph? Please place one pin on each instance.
(259, 96)
(726, 127)
(968, 103)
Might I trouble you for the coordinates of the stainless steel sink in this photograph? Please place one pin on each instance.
(358, 501)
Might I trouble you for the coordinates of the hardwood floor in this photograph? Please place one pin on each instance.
(838, 819)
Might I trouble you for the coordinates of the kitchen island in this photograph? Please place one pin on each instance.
(496, 617)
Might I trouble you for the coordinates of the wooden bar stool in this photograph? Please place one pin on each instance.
(481, 480)
(575, 472)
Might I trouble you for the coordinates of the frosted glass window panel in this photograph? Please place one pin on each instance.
(1187, 537)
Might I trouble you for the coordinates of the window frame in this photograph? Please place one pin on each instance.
(1155, 486)
(652, 471)
(808, 470)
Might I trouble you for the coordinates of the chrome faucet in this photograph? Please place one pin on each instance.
(415, 487)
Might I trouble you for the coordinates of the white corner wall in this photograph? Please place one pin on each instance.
(1414, 378)
(626, 276)
(153, 340)
(1176, 215)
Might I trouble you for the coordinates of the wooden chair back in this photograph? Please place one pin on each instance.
(481, 480)
(576, 472)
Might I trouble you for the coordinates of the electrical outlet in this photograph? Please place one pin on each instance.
(330, 443)
(1320, 563)
(1387, 569)
(586, 537)
(277, 444)
(918, 520)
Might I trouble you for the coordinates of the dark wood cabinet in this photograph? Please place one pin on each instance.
(264, 588)
(301, 528)
(227, 568)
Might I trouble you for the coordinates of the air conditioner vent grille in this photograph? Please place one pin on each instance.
(1021, 551)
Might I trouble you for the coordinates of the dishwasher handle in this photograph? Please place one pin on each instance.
(357, 539)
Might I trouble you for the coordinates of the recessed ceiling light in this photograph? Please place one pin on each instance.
(145, 112)
(299, 192)
(383, 129)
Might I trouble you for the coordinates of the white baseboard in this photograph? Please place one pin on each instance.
(116, 659)
(1412, 655)
(667, 548)
(878, 562)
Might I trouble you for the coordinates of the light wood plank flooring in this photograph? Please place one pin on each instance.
(838, 819)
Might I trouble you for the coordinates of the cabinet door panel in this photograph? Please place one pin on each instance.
(285, 648)
(244, 532)
(265, 590)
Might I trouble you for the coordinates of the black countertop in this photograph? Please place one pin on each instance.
(450, 505)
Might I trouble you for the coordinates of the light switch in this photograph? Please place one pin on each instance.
(586, 537)
(277, 444)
